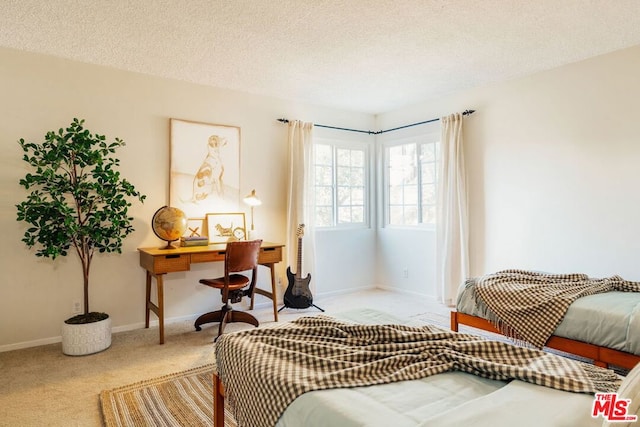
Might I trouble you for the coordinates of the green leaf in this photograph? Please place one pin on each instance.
(78, 198)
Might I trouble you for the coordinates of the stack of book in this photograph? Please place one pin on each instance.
(194, 241)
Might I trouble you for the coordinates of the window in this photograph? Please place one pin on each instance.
(340, 173)
(410, 181)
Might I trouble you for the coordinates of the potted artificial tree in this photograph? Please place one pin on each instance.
(78, 200)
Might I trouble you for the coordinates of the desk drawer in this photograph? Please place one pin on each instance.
(270, 255)
(170, 263)
(208, 256)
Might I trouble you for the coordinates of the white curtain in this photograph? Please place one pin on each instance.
(300, 197)
(452, 248)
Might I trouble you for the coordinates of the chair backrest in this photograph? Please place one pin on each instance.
(242, 255)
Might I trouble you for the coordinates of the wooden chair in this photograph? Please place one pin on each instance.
(240, 256)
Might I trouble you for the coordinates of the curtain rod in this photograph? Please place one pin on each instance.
(378, 132)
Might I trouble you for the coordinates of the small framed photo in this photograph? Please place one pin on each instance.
(226, 227)
(195, 228)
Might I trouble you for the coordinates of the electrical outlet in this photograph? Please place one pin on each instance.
(77, 307)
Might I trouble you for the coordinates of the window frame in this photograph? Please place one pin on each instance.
(336, 144)
(417, 140)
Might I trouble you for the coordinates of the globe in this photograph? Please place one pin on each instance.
(169, 224)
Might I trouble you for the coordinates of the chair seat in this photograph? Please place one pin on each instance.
(236, 281)
(240, 257)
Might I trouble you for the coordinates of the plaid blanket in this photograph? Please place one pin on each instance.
(528, 306)
(264, 370)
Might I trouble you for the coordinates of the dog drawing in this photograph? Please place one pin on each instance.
(209, 178)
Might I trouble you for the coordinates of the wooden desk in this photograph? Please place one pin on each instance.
(158, 262)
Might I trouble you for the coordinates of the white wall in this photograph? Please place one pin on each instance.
(41, 93)
(345, 258)
(551, 158)
(404, 254)
(553, 179)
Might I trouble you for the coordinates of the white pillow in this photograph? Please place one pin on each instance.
(629, 389)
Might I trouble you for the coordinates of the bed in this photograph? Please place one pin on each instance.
(465, 396)
(603, 327)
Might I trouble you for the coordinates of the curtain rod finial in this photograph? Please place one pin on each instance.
(468, 112)
(283, 120)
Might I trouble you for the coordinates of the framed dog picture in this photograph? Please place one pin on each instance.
(205, 168)
(226, 227)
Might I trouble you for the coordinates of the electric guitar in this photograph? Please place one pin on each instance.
(298, 294)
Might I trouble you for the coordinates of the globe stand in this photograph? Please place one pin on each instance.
(169, 245)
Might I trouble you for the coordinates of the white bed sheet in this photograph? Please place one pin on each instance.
(445, 400)
(610, 319)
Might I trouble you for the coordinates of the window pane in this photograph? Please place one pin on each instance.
(323, 154)
(396, 215)
(429, 194)
(344, 176)
(344, 196)
(357, 196)
(357, 177)
(395, 176)
(343, 157)
(357, 214)
(324, 217)
(340, 184)
(395, 195)
(410, 195)
(428, 173)
(357, 158)
(411, 182)
(324, 175)
(410, 176)
(410, 215)
(395, 155)
(427, 153)
(429, 214)
(324, 196)
(344, 214)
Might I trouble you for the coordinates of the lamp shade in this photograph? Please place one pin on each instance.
(252, 199)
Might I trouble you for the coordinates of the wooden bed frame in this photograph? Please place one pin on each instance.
(218, 402)
(601, 356)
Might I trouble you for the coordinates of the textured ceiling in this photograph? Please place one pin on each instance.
(365, 55)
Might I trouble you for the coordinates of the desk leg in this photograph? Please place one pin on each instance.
(160, 313)
(147, 300)
(157, 309)
(273, 294)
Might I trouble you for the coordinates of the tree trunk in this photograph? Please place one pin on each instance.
(86, 263)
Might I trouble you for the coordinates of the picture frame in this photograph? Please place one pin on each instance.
(223, 227)
(195, 228)
(204, 167)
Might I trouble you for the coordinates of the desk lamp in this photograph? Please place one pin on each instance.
(253, 201)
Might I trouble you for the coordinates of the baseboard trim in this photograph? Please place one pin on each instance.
(192, 317)
(406, 292)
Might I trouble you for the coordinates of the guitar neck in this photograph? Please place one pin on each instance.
(299, 261)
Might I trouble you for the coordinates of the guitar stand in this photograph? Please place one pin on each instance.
(285, 306)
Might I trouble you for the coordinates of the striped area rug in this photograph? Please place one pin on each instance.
(180, 399)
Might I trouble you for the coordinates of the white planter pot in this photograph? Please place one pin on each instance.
(88, 338)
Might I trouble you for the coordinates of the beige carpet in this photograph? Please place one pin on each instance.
(185, 398)
(180, 399)
(42, 387)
